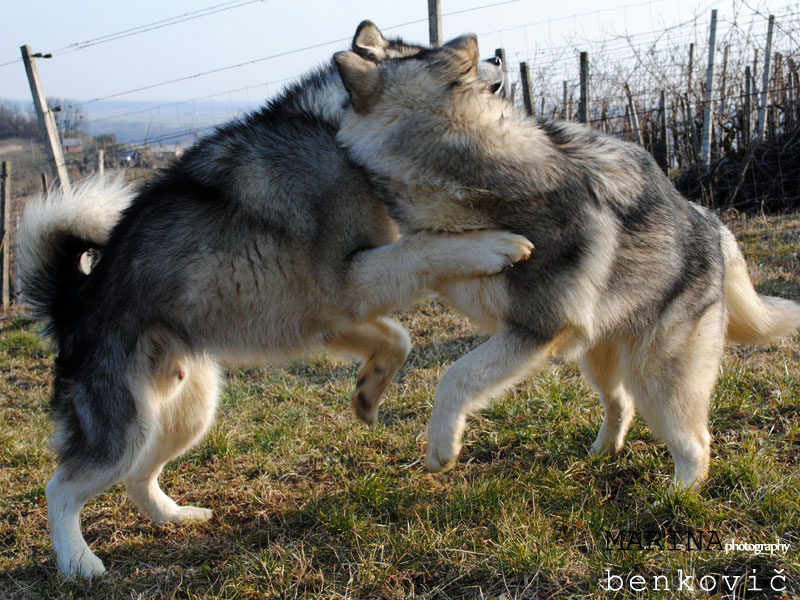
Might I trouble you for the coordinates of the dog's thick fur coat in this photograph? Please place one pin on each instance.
(262, 242)
(639, 283)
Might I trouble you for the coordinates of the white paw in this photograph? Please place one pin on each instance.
(518, 247)
(82, 564)
(502, 249)
(442, 454)
(686, 483)
(603, 447)
(189, 513)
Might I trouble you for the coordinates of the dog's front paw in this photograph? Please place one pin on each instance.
(498, 250)
(82, 564)
(442, 454)
(605, 447)
(191, 513)
(520, 247)
(434, 463)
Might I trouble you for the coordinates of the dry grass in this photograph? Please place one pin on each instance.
(309, 503)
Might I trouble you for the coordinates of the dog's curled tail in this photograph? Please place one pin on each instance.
(752, 317)
(55, 231)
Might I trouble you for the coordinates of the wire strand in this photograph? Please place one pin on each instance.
(189, 16)
(274, 56)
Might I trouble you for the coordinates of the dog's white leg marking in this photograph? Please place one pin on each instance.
(601, 367)
(66, 495)
(672, 380)
(384, 345)
(183, 420)
(393, 276)
(468, 385)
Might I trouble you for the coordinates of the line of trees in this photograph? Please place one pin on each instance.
(15, 122)
(20, 121)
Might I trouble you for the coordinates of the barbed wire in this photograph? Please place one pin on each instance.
(189, 16)
(656, 36)
(614, 48)
(570, 17)
(274, 56)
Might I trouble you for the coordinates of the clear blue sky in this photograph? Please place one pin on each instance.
(270, 27)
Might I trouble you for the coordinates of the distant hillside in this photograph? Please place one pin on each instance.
(153, 122)
(134, 122)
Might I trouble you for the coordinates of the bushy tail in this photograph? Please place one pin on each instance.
(753, 318)
(56, 231)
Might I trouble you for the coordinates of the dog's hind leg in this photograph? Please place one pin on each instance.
(183, 420)
(384, 345)
(468, 385)
(601, 367)
(97, 436)
(672, 378)
(67, 492)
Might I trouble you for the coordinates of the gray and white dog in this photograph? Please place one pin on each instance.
(642, 285)
(262, 242)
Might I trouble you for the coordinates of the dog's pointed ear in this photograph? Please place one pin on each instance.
(369, 41)
(362, 79)
(465, 48)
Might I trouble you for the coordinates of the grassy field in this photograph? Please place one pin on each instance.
(309, 503)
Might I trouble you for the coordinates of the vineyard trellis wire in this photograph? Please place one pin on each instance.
(650, 88)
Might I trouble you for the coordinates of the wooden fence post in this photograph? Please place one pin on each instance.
(663, 133)
(47, 122)
(435, 22)
(723, 83)
(527, 88)
(5, 237)
(583, 109)
(748, 106)
(604, 117)
(793, 91)
(675, 154)
(762, 107)
(634, 118)
(691, 137)
(778, 86)
(705, 152)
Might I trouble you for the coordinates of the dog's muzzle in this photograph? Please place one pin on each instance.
(491, 71)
